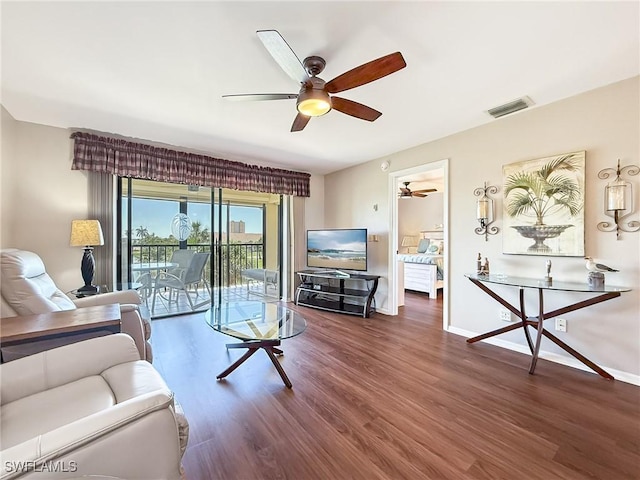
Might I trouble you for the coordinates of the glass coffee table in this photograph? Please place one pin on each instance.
(258, 325)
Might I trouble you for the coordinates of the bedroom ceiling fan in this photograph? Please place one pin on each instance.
(406, 192)
(314, 98)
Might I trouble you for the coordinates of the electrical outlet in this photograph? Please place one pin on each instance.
(561, 324)
(505, 315)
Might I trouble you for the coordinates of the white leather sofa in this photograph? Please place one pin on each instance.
(85, 409)
(27, 289)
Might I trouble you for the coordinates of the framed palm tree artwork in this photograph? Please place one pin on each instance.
(544, 206)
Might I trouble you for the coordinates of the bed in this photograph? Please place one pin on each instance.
(423, 272)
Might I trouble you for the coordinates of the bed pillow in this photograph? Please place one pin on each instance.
(423, 245)
(433, 248)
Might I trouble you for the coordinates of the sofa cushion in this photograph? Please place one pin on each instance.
(26, 287)
(45, 411)
(132, 379)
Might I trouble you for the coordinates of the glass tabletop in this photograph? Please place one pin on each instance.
(147, 267)
(255, 320)
(541, 283)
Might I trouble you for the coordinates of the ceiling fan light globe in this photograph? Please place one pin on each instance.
(313, 102)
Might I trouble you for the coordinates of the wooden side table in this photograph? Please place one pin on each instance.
(82, 322)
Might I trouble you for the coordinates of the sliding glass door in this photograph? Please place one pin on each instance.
(247, 245)
(163, 226)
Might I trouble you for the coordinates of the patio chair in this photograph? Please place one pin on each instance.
(181, 258)
(193, 276)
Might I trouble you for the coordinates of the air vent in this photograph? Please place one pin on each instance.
(507, 108)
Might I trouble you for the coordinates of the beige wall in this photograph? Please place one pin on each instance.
(604, 122)
(419, 214)
(45, 195)
(7, 175)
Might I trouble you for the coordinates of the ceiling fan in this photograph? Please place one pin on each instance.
(406, 192)
(314, 99)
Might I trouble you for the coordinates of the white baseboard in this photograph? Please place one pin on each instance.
(552, 357)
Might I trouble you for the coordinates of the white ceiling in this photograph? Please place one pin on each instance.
(157, 70)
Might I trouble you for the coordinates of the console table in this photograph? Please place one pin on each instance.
(603, 294)
(335, 292)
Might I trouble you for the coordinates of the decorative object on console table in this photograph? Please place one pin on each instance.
(596, 272)
(618, 200)
(548, 278)
(485, 211)
(544, 202)
(595, 280)
(87, 234)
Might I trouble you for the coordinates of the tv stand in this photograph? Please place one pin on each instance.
(333, 291)
(340, 273)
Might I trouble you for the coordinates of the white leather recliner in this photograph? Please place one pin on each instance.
(92, 408)
(27, 289)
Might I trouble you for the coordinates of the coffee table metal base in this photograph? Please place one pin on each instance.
(269, 346)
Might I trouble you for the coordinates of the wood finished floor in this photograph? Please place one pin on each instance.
(392, 398)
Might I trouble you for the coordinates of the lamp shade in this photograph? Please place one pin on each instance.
(86, 233)
(409, 241)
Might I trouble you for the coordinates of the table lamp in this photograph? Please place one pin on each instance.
(409, 241)
(87, 233)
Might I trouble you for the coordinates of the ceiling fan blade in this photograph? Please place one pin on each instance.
(354, 109)
(260, 96)
(300, 122)
(283, 54)
(426, 190)
(366, 73)
(421, 195)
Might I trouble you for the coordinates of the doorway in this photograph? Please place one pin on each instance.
(427, 175)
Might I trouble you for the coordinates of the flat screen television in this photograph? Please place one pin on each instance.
(339, 249)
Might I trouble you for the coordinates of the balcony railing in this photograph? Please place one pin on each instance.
(235, 257)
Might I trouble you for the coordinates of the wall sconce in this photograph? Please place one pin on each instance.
(618, 200)
(484, 211)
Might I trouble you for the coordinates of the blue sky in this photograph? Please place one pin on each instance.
(156, 215)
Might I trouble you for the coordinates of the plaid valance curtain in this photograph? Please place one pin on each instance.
(130, 159)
